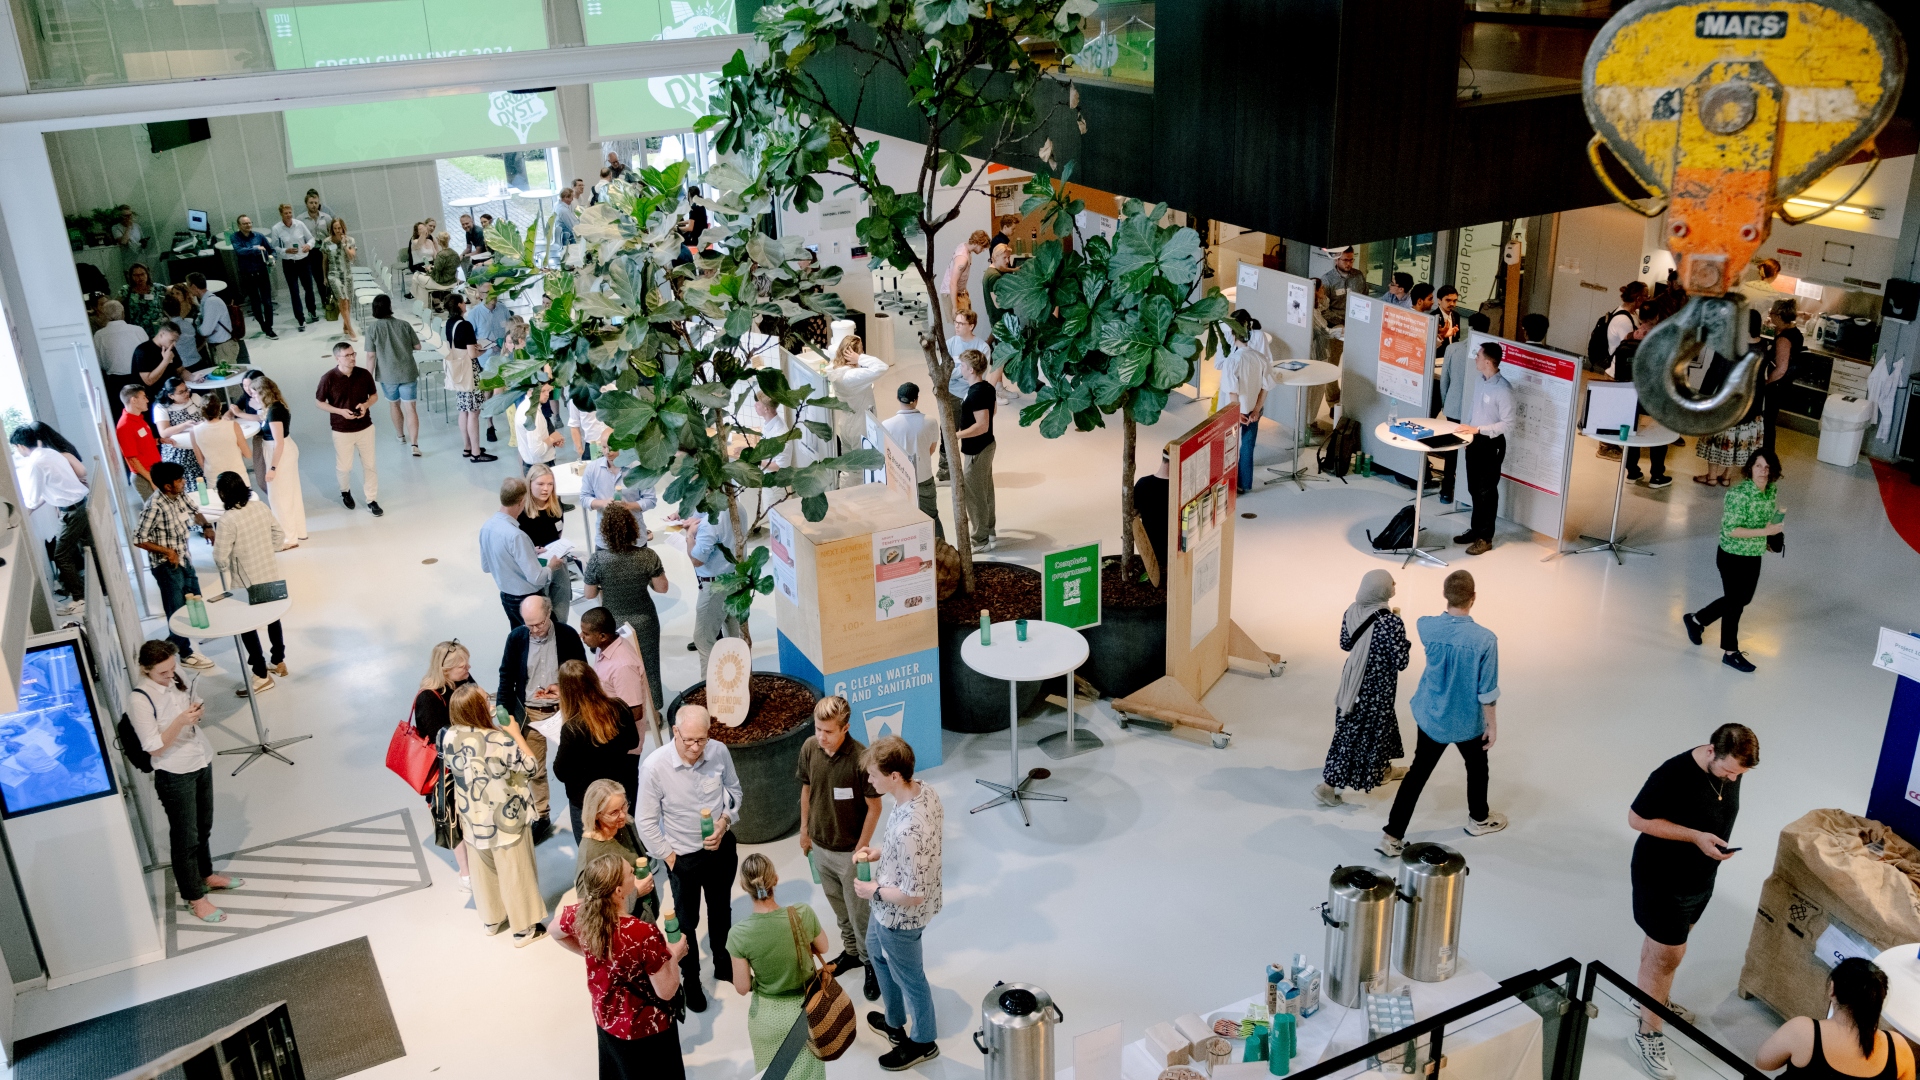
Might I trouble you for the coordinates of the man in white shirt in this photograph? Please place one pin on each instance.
(536, 443)
(600, 487)
(1245, 377)
(678, 782)
(1490, 417)
(293, 244)
(215, 324)
(917, 434)
(56, 503)
(583, 423)
(113, 345)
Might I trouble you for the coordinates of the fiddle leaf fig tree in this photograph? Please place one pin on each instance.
(667, 345)
(969, 81)
(1111, 326)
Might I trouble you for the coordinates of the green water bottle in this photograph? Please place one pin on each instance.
(500, 717)
(814, 867)
(671, 925)
(864, 870)
(706, 824)
(986, 627)
(201, 487)
(196, 612)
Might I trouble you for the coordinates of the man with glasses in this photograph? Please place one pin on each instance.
(682, 784)
(530, 687)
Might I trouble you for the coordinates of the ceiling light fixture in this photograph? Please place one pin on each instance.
(1874, 212)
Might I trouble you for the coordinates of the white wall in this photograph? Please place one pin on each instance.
(242, 169)
(1598, 250)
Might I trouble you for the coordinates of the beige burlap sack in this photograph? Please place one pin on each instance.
(1830, 865)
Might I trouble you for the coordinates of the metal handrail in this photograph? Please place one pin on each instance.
(1433, 1027)
(1598, 970)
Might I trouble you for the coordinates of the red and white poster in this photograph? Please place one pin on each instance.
(1208, 461)
(1543, 384)
(1402, 371)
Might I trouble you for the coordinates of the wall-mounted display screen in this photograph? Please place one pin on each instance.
(387, 31)
(52, 751)
(670, 102)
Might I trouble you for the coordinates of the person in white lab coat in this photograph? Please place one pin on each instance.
(852, 375)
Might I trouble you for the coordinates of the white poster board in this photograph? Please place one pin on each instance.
(1546, 384)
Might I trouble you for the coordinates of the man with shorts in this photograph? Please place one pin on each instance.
(391, 344)
(1684, 815)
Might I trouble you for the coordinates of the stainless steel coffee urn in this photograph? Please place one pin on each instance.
(1016, 1032)
(1433, 882)
(1359, 918)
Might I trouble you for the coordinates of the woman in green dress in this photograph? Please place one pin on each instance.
(773, 953)
(339, 251)
(143, 300)
(1751, 516)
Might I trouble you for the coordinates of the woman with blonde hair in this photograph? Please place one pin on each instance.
(598, 740)
(543, 520)
(492, 771)
(773, 953)
(852, 375)
(338, 251)
(610, 831)
(281, 469)
(633, 974)
(448, 669)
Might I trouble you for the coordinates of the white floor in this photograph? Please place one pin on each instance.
(1176, 871)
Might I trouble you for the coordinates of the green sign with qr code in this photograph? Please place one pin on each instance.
(1071, 583)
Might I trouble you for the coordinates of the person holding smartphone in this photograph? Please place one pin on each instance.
(166, 716)
(1684, 815)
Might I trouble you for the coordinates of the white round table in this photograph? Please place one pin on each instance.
(1050, 650)
(1651, 435)
(1902, 1008)
(566, 487)
(184, 440)
(215, 284)
(229, 616)
(1303, 380)
(1385, 434)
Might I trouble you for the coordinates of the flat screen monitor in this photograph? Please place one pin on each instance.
(52, 751)
(197, 221)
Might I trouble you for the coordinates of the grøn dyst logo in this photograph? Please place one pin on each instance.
(516, 111)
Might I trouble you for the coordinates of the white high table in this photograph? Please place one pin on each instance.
(230, 616)
(1651, 435)
(1385, 434)
(1050, 650)
(1902, 1009)
(1501, 1042)
(1303, 380)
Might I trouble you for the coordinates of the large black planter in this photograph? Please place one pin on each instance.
(1127, 650)
(969, 701)
(769, 789)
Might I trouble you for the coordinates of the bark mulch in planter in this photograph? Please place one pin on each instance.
(1007, 592)
(779, 705)
(1129, 589)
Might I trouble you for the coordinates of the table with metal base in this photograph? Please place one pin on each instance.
(1074, 740)
(1050, 650)
(1651, 435)
(1303, 380)
(1384, 433)
(229, 617)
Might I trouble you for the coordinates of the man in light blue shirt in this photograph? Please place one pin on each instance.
(677, 781)
(1455, 374)
(600, 486)
(1489, 417)
(1453, 706)
(508, 554)
(711, 620)
(489, 322)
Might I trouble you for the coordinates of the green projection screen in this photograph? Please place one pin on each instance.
(652, 106)
(383, 31)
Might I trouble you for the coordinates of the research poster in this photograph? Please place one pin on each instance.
(1402, 371)
(386, 31)
(629, 107)
(1299, 303)
(1543, 384)
(780, 544)
(903, 570)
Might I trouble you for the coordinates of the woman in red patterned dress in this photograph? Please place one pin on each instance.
(633, 975)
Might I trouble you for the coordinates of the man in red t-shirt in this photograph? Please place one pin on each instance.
(137, 442)
(346, 393)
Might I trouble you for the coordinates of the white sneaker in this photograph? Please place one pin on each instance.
(1326, 796)
(259, 686)
(198, 662)
(1494, 823)
(1390, 847)
(466, 885)
(70, 607)
(1650, 1049)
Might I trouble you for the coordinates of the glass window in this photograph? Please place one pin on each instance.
(632, 107)
(1119, 44)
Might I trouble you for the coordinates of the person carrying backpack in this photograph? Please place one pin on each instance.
(1610, 331)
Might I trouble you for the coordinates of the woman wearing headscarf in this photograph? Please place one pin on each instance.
(1366, 729)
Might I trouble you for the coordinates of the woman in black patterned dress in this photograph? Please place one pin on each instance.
(1366, 729)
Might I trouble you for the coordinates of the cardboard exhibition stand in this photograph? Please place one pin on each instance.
(854, 605)
(1203, 641)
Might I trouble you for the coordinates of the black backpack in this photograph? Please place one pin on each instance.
(1336, 454)
(1398, 535)
(1599, 358)
(129, 740)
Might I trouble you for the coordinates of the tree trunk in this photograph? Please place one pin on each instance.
(940, 370)
(1128, 435)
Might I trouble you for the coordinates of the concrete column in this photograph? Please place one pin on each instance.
(1901, 339)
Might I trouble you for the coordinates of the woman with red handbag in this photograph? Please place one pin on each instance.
(448, 670)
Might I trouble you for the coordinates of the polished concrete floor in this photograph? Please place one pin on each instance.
(1176, 871)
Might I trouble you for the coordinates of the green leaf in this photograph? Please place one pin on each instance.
(813, 507)
(1028, 291)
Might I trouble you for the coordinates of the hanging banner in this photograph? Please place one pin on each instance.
(1070, 586)
(1402, 371)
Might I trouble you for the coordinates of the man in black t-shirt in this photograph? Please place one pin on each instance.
(976, 446)
(1684, 815)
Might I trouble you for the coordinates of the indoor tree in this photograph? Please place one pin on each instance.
(969, 81)
(1106, 326)
(674, 339)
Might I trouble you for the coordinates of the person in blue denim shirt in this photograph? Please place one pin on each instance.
(1453, 706)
